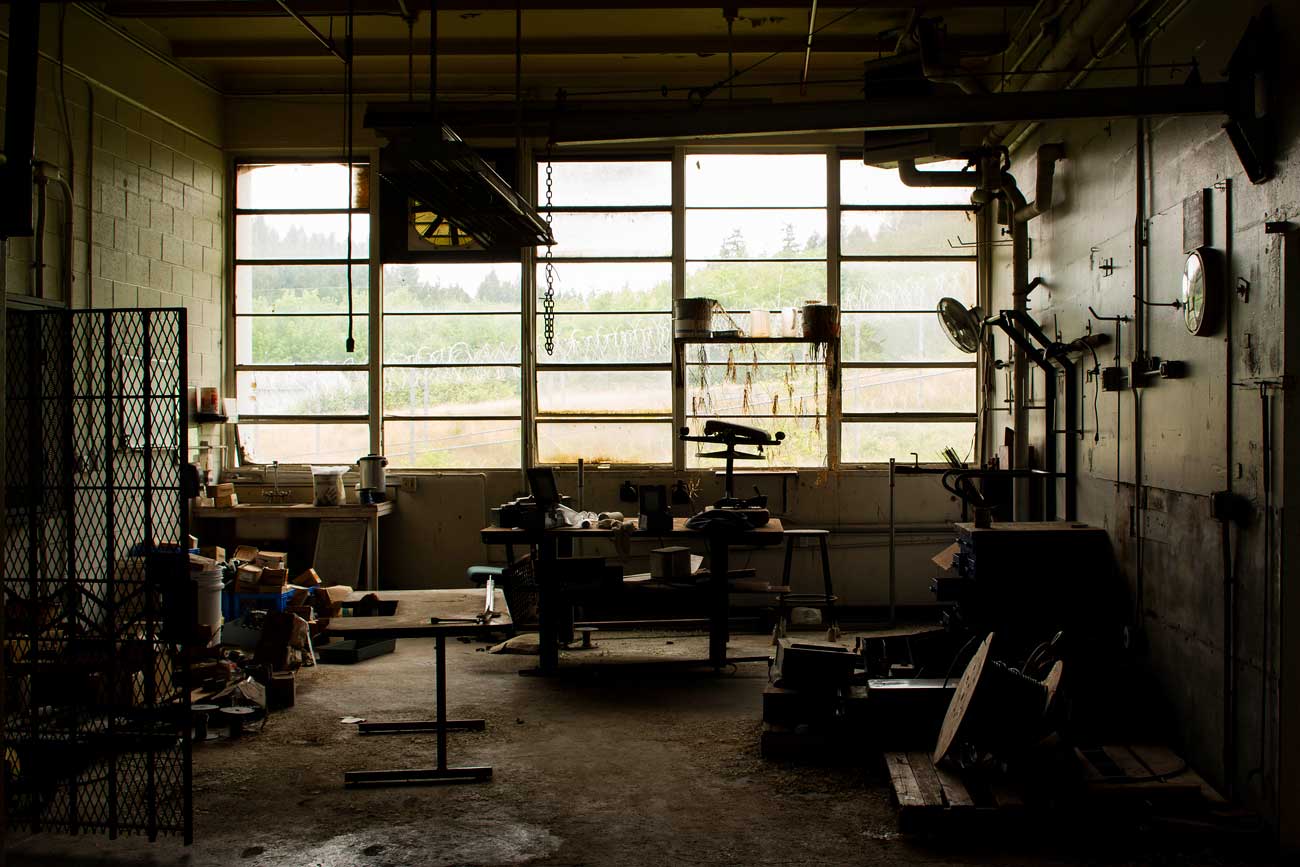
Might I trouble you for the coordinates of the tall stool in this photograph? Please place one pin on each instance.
(823, 601)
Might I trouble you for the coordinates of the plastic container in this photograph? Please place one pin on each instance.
(236, 605)
(327, 486)
(207, 597)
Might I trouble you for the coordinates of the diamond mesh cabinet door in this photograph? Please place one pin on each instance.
(97, 596)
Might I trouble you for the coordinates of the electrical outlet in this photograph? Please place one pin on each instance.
(410, 484)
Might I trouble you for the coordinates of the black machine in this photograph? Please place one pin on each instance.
(529, 513)
(729, 436)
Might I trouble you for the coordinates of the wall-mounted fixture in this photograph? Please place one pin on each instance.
(1202, 292)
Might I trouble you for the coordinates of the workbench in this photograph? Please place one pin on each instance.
(548, 544)
(421, 614)
(370, 513)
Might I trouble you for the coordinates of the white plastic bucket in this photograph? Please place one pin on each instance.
(327, 486)
(207, 598)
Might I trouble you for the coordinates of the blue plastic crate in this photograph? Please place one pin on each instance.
(236, 605)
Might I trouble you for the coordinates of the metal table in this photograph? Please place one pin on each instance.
(420, 614)
(548, 543)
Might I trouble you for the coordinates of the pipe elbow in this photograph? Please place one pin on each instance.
(911, 176)
(1048, 156)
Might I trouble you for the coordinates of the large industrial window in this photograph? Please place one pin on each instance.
(604, 374)
(756, 228)
(451, 365)
(303, 398)
(905, 387)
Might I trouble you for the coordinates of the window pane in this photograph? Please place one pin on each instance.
(593, 339)
(909, 390)
(907, 233)
(452, 287)
(741, 286)
(299, 185)
(451, 339)
(300, 288)
(877, 442)
(804, 444)
(755, 179)
(452, 443)
(305, 392)
(451, 391)
(896, 337)
(613, 234)
(905, 285)
(604, 442)
(604, 391)
(304, 443)
(867, 185)
(755, 390)
(607, 183)
(299, 340)
(756, 234)
(300, 236)
(597, 286)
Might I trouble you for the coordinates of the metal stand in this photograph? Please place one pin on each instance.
(425, 776)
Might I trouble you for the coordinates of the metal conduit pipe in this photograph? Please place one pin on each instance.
(913, 177)
(933, 67)
(1048, 155)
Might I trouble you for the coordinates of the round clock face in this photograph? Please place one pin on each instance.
(437, 232)
(1199, 296)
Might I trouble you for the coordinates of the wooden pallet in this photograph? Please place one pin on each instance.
(1148, 773)
(929, 797)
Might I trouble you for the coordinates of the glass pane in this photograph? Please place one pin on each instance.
(804, 444)
(759, 234)
(908, 390)
(583, 339)
(451, 391)
(614, 234)
(604, 391)
(905, 285)
(877, 442)
(304, 443)
(452, 443)
(620, 286)
(299, 340)
(300, 236)
(755, 179)
(867, 185)
(305, 392)
(451, 339)
(604, 442)
(896, 337)
(451, 287)
(755, 390)
(742, 286)
(907, 233)
(301, 185)
(300, 288)
(606, 183)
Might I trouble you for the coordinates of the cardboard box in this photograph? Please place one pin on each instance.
(307, 579)
(225, 501)
(272, 559)
(273, 575)
(673, 563)
(203, 502)
(225, 489)
(201, 564)
(245, 553)
(214, 552)
(328, 601)
(248, 577)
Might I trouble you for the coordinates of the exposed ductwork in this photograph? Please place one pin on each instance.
(1048, 155)
(934, 65)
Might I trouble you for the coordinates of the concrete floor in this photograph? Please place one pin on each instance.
(621, 769)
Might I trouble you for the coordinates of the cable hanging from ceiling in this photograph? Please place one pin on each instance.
(351, 344)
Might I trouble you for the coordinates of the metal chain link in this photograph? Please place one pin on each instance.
(548, 300)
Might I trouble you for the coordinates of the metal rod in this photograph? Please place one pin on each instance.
(324, 40)
(892, 543)
(440, 676)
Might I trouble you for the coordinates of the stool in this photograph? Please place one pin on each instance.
(824, 601)
(479, 575)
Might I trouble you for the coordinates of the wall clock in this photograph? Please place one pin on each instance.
(1202, 295)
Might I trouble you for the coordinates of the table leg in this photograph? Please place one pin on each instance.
(718, 601)
(427, 776)
(372, 553)
(548, 608)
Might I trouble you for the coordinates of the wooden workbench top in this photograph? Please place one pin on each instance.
(770, 534)
(456, 609)
(295, 510)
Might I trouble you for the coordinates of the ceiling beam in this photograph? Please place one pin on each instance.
(251, 49)
(241, 8)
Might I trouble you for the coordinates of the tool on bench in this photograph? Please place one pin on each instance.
(489, 609)
(728, 435)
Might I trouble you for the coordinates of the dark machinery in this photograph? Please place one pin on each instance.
(729, 436)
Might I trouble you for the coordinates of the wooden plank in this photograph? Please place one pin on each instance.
(906, 790)
(954, 790)
(926, 779)
(1127, 762)
(1162, 760)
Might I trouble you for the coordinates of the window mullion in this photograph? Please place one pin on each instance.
(375, 326)
(678, 379)
(833, 395)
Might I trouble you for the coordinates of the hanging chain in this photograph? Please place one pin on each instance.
(548, 300)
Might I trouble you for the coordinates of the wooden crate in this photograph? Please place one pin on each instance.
(931, 797)
(1146, 773)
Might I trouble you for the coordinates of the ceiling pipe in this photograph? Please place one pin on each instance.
(930, 40)
(913, 177)
(1048, 155)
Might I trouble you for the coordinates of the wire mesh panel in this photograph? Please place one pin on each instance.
(97, 596)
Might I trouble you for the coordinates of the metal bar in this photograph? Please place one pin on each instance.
(445, 417)
(889, 365)
(605, 209)
(301, 368)
(325, 41)
(150, 575)
(887, 113)
(424, 725)
(264, 212)
(911, 416)
(893, 573)
(249, 8)
(956, 257)
(341, 261)
(110, 551)
(944, 208)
